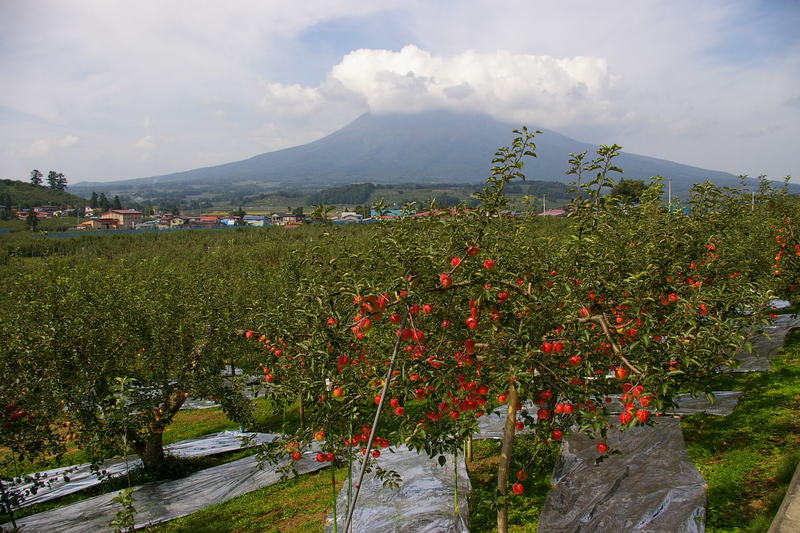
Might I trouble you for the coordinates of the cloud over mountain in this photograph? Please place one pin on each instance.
(526, 87)
(712, 83)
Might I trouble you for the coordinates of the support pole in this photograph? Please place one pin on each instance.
(505, 458)
(364, 463)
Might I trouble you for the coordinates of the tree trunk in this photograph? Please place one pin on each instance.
(505, 458)
(302, 411)
(7, 505)
(151, 450)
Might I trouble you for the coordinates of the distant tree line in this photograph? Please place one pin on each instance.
(102, 202)
(357, 193)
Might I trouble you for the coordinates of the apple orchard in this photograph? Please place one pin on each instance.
(639, 301)
(451, 314)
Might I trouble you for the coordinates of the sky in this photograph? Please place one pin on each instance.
(108, 89)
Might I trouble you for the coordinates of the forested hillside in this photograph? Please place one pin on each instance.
(19, 195)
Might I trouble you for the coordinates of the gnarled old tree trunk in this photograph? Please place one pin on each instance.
(150, 446)
(150, 450)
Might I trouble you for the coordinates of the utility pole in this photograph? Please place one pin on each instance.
(669, 193)
(544, 203)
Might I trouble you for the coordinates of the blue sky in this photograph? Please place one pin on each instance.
(110, 89)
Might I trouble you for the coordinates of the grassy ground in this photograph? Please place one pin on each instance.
(523, 509)
(748, 458)
(293, 506)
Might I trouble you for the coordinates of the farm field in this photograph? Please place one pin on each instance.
(434, 321)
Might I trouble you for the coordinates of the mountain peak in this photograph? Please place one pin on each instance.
(426, 147)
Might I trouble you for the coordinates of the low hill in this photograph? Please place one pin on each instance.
(18, 194)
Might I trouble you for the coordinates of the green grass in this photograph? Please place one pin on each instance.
(292, 506)
(748, 457)
(523, 509)
(192, 423)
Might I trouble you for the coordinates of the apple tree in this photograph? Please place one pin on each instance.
(488, 308)
(161, 322)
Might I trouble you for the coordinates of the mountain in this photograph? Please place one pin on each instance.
(429, 147)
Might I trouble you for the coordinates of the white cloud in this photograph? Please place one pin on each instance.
(551, 91)
(68, 141)
(37, 148)
(683, 80)
(146, 143)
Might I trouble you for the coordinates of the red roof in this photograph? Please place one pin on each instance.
(553, 213)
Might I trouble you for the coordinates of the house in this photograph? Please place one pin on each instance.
(553, 213)
(177, 221)
(232, 220)
(286, 219)
(150, 224)
(22, 214)
(126, 218)
(100, 223)
(255, 220)
(45, 211)
(348, 217)
(388, 213)
(210, 220)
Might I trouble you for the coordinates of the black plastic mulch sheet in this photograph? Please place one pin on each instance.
(165, 500)
(766, 345)
(81, 476)
(651, 486)
(424, 502)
